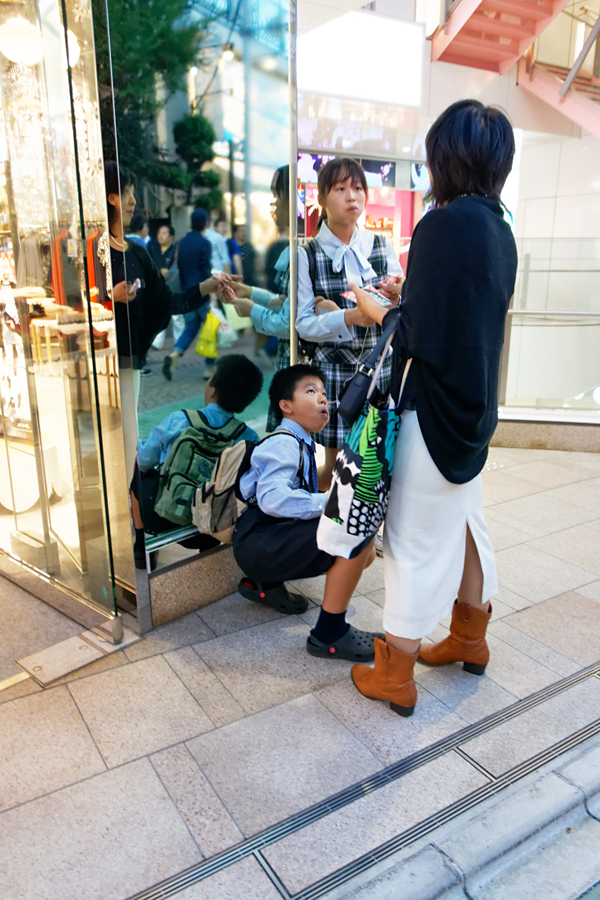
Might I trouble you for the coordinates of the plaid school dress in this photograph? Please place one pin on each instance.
(339, 362)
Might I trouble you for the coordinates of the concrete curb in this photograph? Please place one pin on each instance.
(487, 851)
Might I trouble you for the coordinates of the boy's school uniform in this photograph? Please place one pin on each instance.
(155, 449)
(275, 538)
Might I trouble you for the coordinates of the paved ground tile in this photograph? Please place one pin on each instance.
(536, 650)
(548, 511)
(209, 823)
(28, 625)
(243, 881)
(138, 709)
(279, 761)
(520, 738)
(269, 664)
(321, 848)
(103, 839)
(44, 745)
(188, 629)
(570, 624)
(471, 696)
(516, 671)
(536, 575)
(389, 736)
(579, 545)
(214, 698)
(233, 613)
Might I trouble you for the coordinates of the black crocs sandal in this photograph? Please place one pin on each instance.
(355, 645)
(278, 598)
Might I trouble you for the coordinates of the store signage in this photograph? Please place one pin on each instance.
(364, 56)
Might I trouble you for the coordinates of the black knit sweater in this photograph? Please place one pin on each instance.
(459, 280)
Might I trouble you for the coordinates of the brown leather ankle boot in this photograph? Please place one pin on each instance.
(391, 679)
(466, 642)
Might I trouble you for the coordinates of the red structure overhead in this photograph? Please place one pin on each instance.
(582, 102)
(492, 34)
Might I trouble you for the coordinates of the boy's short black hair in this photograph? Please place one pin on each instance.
(237, 382)
(285, 382)
(470, 149)
(138, 221)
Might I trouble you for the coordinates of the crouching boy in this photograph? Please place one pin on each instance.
(275, 538)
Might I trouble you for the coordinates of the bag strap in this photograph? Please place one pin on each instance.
(301, 443)
(195, 418)
(312, 264)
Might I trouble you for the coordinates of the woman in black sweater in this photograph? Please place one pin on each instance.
(460, 278)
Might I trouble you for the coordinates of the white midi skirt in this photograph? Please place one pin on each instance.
(424, 538)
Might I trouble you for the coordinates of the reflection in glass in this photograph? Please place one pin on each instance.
(203, 137)
(57, 365)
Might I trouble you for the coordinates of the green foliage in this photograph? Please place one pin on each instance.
(151, 42)
(194, 138)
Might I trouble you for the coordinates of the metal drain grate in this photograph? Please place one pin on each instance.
(251, 847)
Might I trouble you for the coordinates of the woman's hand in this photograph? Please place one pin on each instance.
(323, 305)
(392, 288)
(366, 306)
(123, 292)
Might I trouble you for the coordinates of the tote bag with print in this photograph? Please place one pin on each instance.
(360, 486)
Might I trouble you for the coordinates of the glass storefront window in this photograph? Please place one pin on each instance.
(58, 373)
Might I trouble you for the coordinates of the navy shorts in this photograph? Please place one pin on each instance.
(270, 549)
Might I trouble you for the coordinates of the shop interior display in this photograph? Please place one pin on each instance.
(51, 494)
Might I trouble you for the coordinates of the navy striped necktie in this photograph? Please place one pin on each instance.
(313, 477)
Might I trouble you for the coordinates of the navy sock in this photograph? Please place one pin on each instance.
(330, 627)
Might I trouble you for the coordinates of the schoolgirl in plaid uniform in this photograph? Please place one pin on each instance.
(326, 266)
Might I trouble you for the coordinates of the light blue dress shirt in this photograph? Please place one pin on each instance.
(220, 252)
(273, 476)
(354, 258)
(156, 448)
(272, 321)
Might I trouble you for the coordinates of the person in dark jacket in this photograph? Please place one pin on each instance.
(460, 278)
(194, 260)
(143, 302)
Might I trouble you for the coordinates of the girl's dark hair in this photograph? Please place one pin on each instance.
(116, 179)
(337, 170)
(285, 381)
(470, 149)
(280, 183)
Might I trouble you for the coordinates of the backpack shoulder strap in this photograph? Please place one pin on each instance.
(311, 253)
(196, 418)
(301, 443)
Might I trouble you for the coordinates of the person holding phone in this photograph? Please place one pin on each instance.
(460, 278)
(342, 252)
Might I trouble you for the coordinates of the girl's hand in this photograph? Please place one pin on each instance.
(243, 307)
(393, 289)
(323, 305)
(367, 306)
(123, 292)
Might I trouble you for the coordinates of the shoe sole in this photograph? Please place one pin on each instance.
(320, 653)
(471, 668)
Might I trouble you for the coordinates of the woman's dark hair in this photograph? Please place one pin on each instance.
(337, 170)
(284, 384)
(116, 179)
(470, 150)
(237, 382)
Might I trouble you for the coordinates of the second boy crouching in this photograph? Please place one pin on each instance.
(275, 539)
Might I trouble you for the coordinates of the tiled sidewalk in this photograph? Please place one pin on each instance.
(219, 725)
